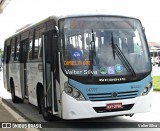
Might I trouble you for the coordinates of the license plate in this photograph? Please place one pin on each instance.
(113, 106)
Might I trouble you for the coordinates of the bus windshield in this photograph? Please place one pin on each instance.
(103, 46)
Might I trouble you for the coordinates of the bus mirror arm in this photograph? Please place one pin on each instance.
(55, 37)
(56, 32)
(144, 29)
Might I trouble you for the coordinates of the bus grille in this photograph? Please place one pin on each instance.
(103, 109)
(109, 96)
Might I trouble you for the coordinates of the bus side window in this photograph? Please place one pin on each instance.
(37, 44)
(12, 50)
(7, 51)
(17, 49)
(30, 48)
(40, 50)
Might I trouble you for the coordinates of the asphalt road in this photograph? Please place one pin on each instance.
(31, 112)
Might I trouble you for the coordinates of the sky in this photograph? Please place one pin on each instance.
(22, 12)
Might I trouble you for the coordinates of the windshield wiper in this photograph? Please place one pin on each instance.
(113, 48)
(92, 53)
(122, 57)
(93, 44)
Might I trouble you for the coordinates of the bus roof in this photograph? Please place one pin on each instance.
(57, 18)
(90, 15)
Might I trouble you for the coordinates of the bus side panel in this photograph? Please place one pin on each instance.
(6, 76)
(60, 89)
(6, 65)
(14, 71)
(22, 79)
(34, 76)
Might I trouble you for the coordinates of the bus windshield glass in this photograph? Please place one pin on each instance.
(103, 46)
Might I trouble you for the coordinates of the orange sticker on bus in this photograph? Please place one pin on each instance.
(77, 63)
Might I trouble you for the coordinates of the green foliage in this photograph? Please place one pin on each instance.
(156, 83)
(1, 52)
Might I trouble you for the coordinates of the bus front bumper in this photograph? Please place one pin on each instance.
(73, 109)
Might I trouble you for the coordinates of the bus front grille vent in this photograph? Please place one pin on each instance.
(113, 96)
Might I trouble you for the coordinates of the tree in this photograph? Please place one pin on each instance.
(1, 51)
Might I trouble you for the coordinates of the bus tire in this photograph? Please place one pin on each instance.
(15, 99)
(46, 115)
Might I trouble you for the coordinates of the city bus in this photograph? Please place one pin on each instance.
(82, 66)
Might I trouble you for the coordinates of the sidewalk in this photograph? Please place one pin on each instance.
(7, 114)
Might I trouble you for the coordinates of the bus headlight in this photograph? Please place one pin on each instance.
(147, 89)
(68, 89)
(73, 92)
(65, 84)
(150, 85)
(76, 94)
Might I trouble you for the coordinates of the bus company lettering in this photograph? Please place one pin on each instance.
(77, 63)
(81, 72)
(112, 79)
(91, 89)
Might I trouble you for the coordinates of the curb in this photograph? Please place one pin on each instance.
(19, 114)
(15, 109)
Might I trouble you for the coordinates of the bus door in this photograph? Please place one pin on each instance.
(48, 74)
(24, 47)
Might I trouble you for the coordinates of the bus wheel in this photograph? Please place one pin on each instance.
(46, 115)
(15, 99)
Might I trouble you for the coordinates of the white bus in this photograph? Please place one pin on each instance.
(77, 67)
(155, 56)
